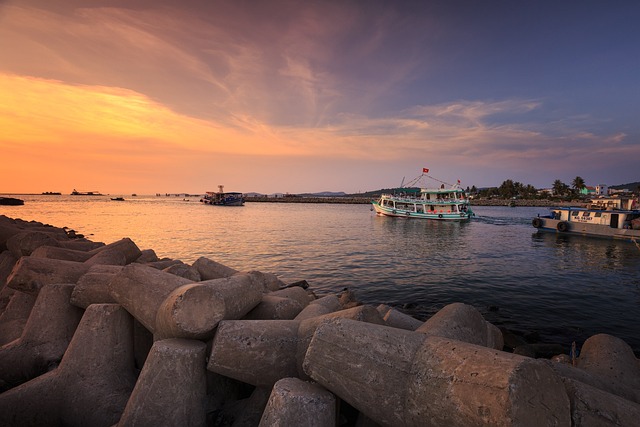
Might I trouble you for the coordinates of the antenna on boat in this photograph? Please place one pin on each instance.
(402, 183)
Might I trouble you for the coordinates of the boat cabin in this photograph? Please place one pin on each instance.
(610, 218)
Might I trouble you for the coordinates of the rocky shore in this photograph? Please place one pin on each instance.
(96, 334)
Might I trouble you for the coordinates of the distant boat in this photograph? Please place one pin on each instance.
(134, 195)
(85, 193)
(442, 203)
(221, 198)
(611, 217)
(51, 193)
(118, 199)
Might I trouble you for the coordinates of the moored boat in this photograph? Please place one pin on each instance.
(220, 198)
(85, 193)
(448, 202)
(610, 217)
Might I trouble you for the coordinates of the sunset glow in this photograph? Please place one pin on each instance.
(154, 97)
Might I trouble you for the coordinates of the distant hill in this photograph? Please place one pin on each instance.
(324, 194)
(632, 186)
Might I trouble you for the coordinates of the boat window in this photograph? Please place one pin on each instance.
(575, 213)
(597, 214)
(585, 213)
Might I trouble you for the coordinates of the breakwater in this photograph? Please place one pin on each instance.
(104, 334)
(367, 200)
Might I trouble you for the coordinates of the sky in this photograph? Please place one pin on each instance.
(159, 96)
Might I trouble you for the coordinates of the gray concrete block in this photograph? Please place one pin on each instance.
(294, 402)
(171, 388)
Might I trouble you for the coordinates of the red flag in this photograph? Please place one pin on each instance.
(425, 170)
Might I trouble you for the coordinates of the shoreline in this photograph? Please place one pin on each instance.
(367, 200)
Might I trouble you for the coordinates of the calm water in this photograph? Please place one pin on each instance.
(561, 289)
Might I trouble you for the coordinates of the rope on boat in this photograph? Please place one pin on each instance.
(415, 181)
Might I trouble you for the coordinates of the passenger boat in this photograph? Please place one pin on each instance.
(448, 202)
(221, 198)
(611, 217)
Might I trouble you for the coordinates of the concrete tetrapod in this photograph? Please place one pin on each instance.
(397, 319)
(93, 287)
(261, 352)
(141, 290)
(194, 310)
(15, 316)
(593, 407)
(45, 338)
(210, 269)
(399, 377)
(171, 389)
(30, 274)
(57, 252)
(463, 322)
(123, 250)
(93, 382)
(294, 402)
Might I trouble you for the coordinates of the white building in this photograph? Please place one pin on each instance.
(602, 190)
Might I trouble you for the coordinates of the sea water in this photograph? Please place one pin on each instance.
(556, 289)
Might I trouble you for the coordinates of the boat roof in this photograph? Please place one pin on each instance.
(583, 209)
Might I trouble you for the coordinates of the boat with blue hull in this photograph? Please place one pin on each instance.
(448, 202)
(608, 217)
(220, 198)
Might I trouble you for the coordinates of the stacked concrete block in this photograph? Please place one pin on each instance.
(93, 286)
(15, 316)
(171, 388)
(30, 274)
(93, 382)
(398, 319)
(209, 269)
(276, 354)
(325, 305)
(194, 310)
(44, 340)
(294, 402)
(463, 322)
(261, 352)
(406, 378)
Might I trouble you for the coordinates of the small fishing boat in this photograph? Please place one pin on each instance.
(118, 199)
(220, 198)
(610, 217)
(448, 202)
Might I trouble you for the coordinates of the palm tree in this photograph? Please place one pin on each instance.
(578, 184)
(559, 188)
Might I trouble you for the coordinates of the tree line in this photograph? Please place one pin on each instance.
(510, 189)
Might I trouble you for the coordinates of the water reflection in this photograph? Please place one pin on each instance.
(588, 252)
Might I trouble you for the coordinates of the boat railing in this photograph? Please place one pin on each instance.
(413, 199)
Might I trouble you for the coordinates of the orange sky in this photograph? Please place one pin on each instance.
(149, 97)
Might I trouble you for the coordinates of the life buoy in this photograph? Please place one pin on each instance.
(439, 215)
(563, 226)
(537, 222)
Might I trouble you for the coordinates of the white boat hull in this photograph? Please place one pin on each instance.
(436, 215)
(584, 229)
